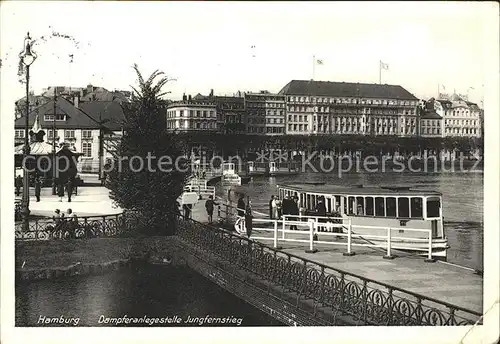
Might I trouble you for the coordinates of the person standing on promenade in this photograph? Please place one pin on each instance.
(209, 206)
(69, 189)
(18, 183)
(60, 190)
(38, 188)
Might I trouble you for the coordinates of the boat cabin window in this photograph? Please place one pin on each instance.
(433, 207)
(328, 205)
(379, 206)
(336, 206)
(416, 207)
(360, 204)
(390, 207)
(369, 206)
(344, 199)
(351, 205)
(403, 207)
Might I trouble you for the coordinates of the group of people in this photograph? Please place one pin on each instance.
(289, 206)
(61, 188)
(67, 223)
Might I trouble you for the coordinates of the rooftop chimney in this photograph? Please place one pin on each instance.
(212, 92)
(76, 100)
(184, 98)
(90, 88)
(189, 98)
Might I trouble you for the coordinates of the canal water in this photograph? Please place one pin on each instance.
(462, 202)
(154, 292)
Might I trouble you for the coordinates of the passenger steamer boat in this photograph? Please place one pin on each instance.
(372, 210)
(229, 175)
(271, 168)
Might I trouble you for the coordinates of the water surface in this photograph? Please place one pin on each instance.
(151, 291)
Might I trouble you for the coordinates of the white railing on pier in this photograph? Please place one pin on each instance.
(310, 228)
(336, 227)
(201, 190)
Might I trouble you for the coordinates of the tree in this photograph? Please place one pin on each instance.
(148, 192)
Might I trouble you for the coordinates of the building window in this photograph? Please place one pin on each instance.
(49, 118)
(86, 134)
(87, 149)
(69, 134)
(19, 134)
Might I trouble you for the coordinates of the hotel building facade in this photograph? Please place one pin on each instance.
(318, 107)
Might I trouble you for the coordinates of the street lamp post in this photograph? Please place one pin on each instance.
(27, 57)
(54, 173)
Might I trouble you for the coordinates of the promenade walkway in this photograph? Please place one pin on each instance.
(90, 201)
(438, 280)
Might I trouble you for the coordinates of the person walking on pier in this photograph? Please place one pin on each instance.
(279, 209)
(209, 206)
(286, 207)
(294, 210)
(187, 210)
(248, 219)
(272, 207)
(240, 221)
(38, 188)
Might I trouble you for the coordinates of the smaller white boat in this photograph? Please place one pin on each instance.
(229, 175)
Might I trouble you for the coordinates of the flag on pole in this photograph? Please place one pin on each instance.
(384, 66)
(319, 62)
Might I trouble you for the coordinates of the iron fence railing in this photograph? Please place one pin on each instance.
(368, 301)
(80, 227)
(365, 300)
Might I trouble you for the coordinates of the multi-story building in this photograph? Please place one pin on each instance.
(319, 107)
(230, 114)
(431, 124)
(265, 113)
(83, 126)
(199, 114)
(461, 118)
(458, 117)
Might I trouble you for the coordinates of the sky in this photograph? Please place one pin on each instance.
(247, 46)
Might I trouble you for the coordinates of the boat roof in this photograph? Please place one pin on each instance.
(360, 190)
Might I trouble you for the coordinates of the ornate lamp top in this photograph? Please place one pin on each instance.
(28, 56)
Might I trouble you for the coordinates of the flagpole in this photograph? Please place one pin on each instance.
(314, 66)
(380, 72)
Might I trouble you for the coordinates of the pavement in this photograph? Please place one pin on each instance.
(442, 281)
(90, 201)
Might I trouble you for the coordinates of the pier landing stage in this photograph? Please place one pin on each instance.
(441, 281)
